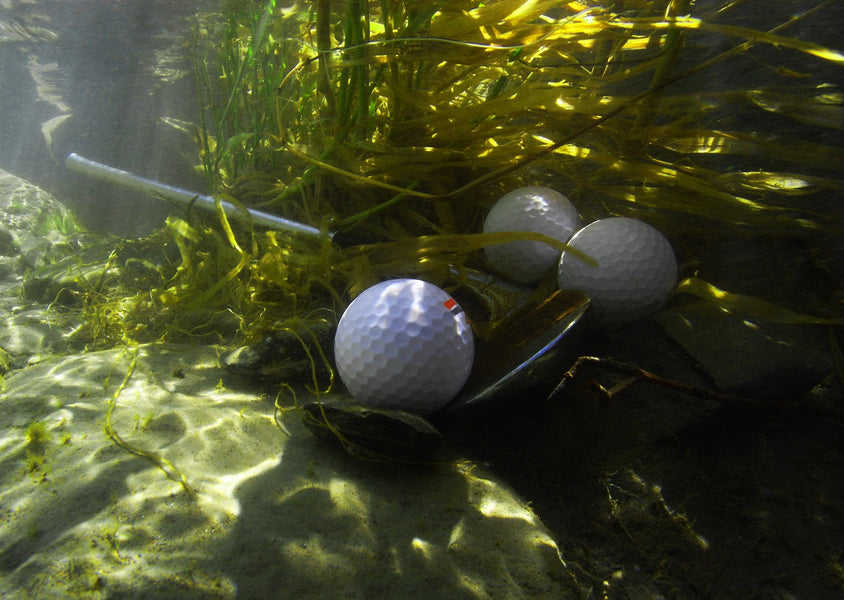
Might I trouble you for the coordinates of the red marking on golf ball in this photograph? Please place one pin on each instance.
(452, 306)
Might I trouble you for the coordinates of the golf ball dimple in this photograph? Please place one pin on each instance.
(534, 208)
(404, 344)
(636, 272)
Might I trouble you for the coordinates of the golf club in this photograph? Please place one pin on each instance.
(540, 339)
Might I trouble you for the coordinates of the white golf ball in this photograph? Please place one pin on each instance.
(404, 344)
(534, 208)
(636, 272)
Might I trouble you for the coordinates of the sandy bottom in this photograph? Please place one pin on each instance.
(272, 515)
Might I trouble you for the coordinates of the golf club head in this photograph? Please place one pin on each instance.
(529, 348)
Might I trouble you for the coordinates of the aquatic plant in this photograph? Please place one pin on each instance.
(37, 443)
(401, 121)
(164, 465)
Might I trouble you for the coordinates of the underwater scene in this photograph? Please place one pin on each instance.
(422, 298)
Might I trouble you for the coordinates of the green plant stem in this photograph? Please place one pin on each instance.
(673, 44)
(350, 222)
(323, 27)
(165, 465)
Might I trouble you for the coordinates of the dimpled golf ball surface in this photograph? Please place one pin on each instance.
(636, 272)
(534, 208)
(404, 344)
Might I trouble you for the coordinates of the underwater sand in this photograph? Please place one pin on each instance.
(272, 516)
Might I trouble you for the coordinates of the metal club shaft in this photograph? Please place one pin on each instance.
(183, 197)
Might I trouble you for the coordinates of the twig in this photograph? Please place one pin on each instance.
(638, 374)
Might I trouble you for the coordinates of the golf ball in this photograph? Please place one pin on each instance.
(636, 272)
(534, 208)
(404, 344)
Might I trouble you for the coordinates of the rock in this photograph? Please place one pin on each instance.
(377, 434)
(8, 242)
(32, 222)
(286, 354)
(66, 280)
(29, 335)
(27, 209)
(743, 358)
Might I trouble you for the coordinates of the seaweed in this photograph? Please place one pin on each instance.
(401, 122)
(166, 467)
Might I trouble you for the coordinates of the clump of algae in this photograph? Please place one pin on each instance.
(37, 443)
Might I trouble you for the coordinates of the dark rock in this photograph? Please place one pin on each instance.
(743, 358)
(9, 244)
(387, 435)
(68, 279)
(284, 355)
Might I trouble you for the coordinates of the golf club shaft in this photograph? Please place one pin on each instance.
(185, 198)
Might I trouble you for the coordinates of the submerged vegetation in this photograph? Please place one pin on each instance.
(37, 444)
(399, 122)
